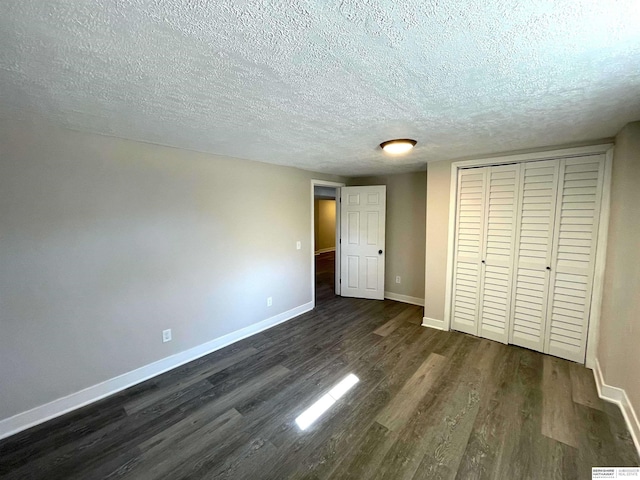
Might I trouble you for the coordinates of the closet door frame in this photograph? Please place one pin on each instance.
(601, 248)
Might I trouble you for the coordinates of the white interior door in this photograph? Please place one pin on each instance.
(363, 211)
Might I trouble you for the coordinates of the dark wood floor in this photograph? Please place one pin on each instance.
(325, 277)
(429, 404)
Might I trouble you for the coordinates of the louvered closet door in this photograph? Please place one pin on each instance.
(533, 252)
(468, 249)
(501, 204)
(573, 262)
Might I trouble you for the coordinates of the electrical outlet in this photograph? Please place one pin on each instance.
(298, 245)
(166, 335)
(269, 301)
(397, 278)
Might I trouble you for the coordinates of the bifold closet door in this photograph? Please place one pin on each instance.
(485, 226)
(469, 239)
(573, 261)
(496, 273)
(525, 249)
(533, 252)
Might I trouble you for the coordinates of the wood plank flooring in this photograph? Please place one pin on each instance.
(429, 404)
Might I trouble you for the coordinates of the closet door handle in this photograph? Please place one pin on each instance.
(483, 261)
(548, 268)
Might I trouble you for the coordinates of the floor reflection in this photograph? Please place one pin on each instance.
(315, 411)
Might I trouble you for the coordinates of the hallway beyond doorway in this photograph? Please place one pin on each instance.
(325, 276)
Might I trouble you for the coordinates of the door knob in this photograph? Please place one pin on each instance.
(482, 261)
(379, 252)
(548, 268)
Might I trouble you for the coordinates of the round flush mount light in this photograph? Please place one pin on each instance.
(398, 146)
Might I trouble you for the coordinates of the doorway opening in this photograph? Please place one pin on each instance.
(325, 240)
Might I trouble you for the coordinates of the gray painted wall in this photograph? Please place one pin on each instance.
(620, 319)
(437, 237)
(106, 242)
(405, 230)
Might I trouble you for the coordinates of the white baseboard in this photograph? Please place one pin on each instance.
(619, 397)
(404, 298)
(325, 250)
(433, 323)
(37, 415)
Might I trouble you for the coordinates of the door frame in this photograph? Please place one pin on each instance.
(337, 186)
(601, 246)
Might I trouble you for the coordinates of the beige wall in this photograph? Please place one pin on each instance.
(405, 230)
(325, 224)
(437, 238)
(618, 349)
(106, 242)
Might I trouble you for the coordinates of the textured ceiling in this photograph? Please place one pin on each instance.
(319, 84)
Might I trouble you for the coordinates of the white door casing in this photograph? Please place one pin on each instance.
(363, 213)
(337, 186)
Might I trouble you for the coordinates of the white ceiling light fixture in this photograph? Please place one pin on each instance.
(398, 146)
